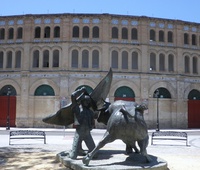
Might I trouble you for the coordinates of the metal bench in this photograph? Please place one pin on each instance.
(27, 134)
(169, 135)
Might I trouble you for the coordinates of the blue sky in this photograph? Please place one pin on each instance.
(172, 9)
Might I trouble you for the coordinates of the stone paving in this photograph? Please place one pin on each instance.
(34, 155)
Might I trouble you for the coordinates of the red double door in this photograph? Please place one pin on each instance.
(7, 110)
(193, 113)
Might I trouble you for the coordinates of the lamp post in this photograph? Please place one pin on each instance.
(8, 113)
(157, 123)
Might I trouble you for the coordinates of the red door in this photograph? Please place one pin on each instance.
(193, 113)
(7, 110)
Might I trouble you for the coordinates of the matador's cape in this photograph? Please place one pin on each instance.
(65, 117)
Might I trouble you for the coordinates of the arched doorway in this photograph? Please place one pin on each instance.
(194, 109)
(8, 106)
(163, 108)
(43, 103)
(124, 93)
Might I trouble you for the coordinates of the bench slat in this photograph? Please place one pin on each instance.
(26, 132)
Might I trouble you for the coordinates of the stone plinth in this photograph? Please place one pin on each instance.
(115, 160)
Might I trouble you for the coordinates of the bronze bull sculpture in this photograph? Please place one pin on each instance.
(124, 121)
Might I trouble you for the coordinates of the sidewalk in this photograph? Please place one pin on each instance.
(33, 154)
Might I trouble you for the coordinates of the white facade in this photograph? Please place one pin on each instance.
(44, 58)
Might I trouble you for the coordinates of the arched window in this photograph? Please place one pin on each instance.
(153, 61)
(114, 59)
(55, 58)
(124, 60)
(19, 33)
(86, 32)
(170, 63)
(114, 32)
(44, 90)
(124, 33)
(95, 59)
(85, 59)
(47, 32)
(74, 60)
(18, 59)
(162, 93)
(162, 62)
(4, 90)
(187, 64)
(194, 41)
(194, 95)
(9, 59)
(161, 36)
(194, 65)
(37, 32)
(124, 93)
(134, 34)
(10, 33)
(2, 34)
(46, 58)
(75, 32)
(1, 59)
(36, 59)
(95, 32)
(152, 35)
(56, 32)
(170, 37)
(134, 60)
(186, 40)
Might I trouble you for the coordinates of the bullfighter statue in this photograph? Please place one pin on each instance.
(81, 112)
(124, 121)
(83, 121)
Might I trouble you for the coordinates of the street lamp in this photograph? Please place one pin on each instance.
(8, 113)
(157, 123)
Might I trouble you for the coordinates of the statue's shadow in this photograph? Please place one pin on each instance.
(107, 154)
(118, 157)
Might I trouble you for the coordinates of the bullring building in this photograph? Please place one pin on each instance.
(44, 58)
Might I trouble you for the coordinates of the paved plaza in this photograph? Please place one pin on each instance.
(34, 154)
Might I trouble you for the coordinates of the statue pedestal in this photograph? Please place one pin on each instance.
(114, 160)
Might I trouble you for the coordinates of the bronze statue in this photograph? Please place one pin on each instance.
(124, 121)
(81, 112)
